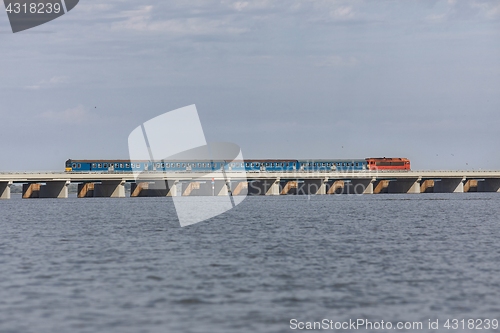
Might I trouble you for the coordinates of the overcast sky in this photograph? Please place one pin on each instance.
(283, 79)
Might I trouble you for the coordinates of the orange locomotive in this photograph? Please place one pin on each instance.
(388, 163)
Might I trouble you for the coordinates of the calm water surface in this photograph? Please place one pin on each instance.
(125, 265)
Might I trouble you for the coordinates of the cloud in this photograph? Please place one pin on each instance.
(74, 115)
(45, 84)
(342, 12)
(336, 61)
(490, 10)
(141, 19)
(436, 17)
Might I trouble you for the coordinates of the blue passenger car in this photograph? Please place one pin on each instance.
(271, 165)
(208, 166)
(332, 165)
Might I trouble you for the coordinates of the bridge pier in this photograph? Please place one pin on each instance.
(31, 191)
(110, 189)
(5, 190)
(352, 186)
(427, 186)
(221, 187)
(470, 185)
(207, 188)
(381, 186)
(404, 186)
(54, 190)
(336, 187)
(289, 187)
(264, 187)
(85, 190)
(362, 186)
(489, 185)
(449, 185)
(312, 187)
(239, 187)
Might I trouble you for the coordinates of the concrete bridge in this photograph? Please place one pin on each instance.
(55, 184)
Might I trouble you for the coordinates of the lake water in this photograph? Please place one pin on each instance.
(125, 265)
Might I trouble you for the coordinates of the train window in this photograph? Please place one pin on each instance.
(79, 165)
(127, 165)
(105, 165)
(178, 165)
(99, 165)
(93, 165)
(73, 165)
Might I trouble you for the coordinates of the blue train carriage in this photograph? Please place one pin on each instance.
(271, 165)
(344, 165)
(188, 166)
(234, 166)
(142, 166)
(105, 165)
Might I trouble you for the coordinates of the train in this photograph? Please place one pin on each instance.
(267, 165)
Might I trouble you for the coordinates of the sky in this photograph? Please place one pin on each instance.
(288, 79)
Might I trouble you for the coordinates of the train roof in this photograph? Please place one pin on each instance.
(332, 160)
(388, 158)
